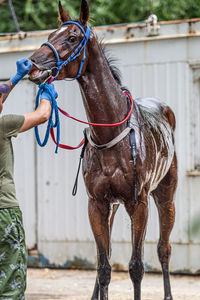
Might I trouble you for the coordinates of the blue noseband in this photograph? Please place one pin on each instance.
(81, 47)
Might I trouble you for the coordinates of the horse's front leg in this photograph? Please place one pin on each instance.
(139, 216)
(95, 295)
(99, 215)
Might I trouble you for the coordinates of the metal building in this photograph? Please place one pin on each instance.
(162, 61)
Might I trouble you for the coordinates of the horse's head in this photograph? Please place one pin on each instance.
(66, 44)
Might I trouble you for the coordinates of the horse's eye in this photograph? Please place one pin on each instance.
(72, 39)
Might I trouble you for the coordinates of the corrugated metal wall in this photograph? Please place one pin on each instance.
(166, 67)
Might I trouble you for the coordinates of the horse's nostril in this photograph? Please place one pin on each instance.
(32, 59)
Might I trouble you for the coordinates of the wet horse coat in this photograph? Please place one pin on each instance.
(109, 173)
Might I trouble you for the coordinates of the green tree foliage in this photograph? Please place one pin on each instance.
(42, 14)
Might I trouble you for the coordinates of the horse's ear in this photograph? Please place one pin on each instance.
(62, 14)
(85, 13)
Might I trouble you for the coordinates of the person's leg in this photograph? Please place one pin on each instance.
(13, 255)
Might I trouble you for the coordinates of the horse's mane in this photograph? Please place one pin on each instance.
(111, 61)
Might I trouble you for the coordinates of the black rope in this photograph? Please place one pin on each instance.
(74, 191)
(12, 10)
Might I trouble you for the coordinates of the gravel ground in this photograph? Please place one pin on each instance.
(78, 285)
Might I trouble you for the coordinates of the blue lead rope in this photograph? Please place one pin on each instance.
(51, 123)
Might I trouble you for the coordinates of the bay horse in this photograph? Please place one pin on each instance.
(109, 174)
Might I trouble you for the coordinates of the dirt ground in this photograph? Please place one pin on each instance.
(78, 285)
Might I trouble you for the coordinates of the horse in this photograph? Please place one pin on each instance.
(108, 173)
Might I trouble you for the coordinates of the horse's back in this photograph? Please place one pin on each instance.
(152, 107)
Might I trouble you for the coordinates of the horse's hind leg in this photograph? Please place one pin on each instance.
(95, 295)
(164, 196)
(139, 216)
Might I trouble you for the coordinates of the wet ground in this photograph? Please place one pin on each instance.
(78, 285)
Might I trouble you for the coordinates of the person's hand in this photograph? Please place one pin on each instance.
(45, 94)
(23, 67)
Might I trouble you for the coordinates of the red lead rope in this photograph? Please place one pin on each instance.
(65, 146)
(101, 125)
(88, 123)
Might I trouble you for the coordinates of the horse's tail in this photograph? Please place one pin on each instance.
(170, 116)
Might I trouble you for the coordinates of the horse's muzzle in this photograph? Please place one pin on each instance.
(38, 74)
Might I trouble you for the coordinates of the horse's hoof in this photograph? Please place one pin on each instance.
(168, 298)
(95, 298)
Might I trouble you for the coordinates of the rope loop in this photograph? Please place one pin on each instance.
(51, 123)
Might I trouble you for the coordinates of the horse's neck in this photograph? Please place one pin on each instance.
(103, 99)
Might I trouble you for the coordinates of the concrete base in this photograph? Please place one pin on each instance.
(75, 255)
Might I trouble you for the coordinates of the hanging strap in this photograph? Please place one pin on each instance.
(134, 154)
(74, 191)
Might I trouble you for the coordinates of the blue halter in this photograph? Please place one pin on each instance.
(81, 47)
(60, 64)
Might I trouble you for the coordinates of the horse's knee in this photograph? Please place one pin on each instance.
(164, 252)
(104, 274)
(136, 270)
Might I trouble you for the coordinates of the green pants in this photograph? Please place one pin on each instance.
(13, 255)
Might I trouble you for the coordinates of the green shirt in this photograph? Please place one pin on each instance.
(9, 127)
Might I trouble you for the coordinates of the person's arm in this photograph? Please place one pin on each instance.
(42, 113)
(4, 96)
(37, 117)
